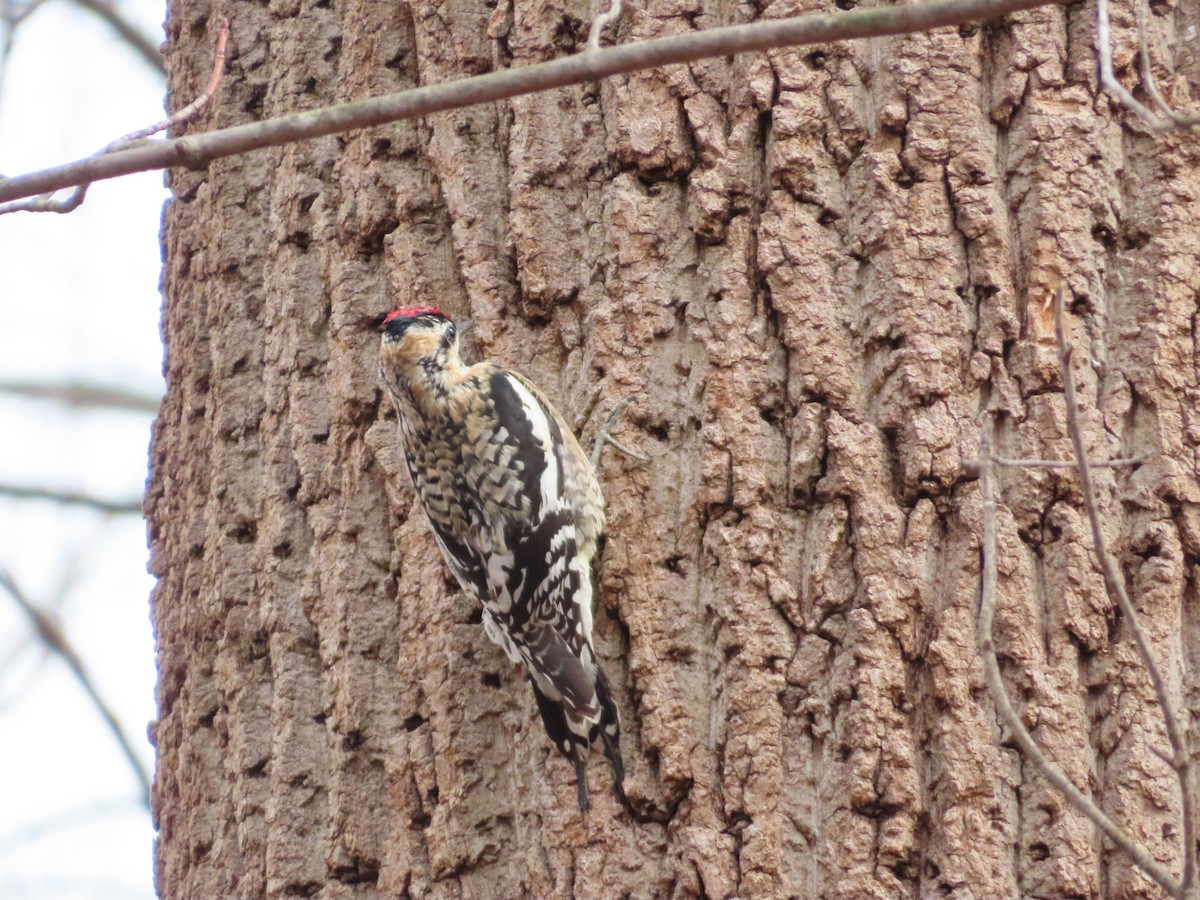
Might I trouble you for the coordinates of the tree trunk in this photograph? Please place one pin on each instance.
(816, 271)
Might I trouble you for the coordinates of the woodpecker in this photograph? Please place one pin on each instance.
(517, 512)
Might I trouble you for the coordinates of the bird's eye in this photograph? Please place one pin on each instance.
(450, 332)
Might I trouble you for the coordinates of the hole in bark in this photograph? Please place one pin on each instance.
(321, 718)
(568, 33)
(335, 48)
(413, 722)
(397, 61)
(659, 431)
(1150, 551)
(816, 59)
(1081, 306)
(433, 794)
(905, 179)
(353, 740)
(683, 655)
(320, 437)
(1134, 239)
(984, 291)
(301, 239)
(904, 870)
(258, 770)
(1039, 851)
(371, 242)
(731, 651)
(310, 86)
(357, 871)
(672, 563)
(490, 679)
(380, 148)
(967, 31)
(282, 550)
(238, 365)
(253, 103)
(1103, 235)
(206, 720)
(421, 822)
(245, 533)
(846, 4)
(476, 616)
(827, 218)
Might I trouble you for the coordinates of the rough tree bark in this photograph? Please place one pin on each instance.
(814, 270)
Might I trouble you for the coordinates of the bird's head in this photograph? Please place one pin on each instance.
(419, 349)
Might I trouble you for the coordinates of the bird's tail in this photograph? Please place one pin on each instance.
(573, 734)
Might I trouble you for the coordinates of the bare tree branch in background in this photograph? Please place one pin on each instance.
(1170, 118)
(581, 68)
(47, 203)
(1179, 761)
(12, 14)
(131, 507)
(1010, 718)
(80, 395)
(54, 639)
(1068, 463)
(610, 17)
(143, 45)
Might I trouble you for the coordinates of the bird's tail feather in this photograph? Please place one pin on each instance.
(573, 737)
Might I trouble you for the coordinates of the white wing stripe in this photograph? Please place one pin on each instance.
(540, 426)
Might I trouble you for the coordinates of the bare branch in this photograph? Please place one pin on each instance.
(47, 203)
(999, 693)
(604, 436)
(83, 396)
(1181, 760)
(611, 17)
(1069, 463)
(592, 65)
(72, 498)
(53, 637)
(1184, 121)
(1109, 79)
(130, 33)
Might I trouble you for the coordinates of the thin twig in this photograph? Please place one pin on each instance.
(1148, 82)
(589, 66)
(999, 693)
(1069, 463)
(604, 436)
(83, 396)
(130, 33)
(46, 202)
(603, 20)
(72, 498)
(1181, 761)
(1109, 79)
(53, 637)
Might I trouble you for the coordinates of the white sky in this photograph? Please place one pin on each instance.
(78, 301)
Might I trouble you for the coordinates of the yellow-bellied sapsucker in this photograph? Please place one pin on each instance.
(517, 512)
